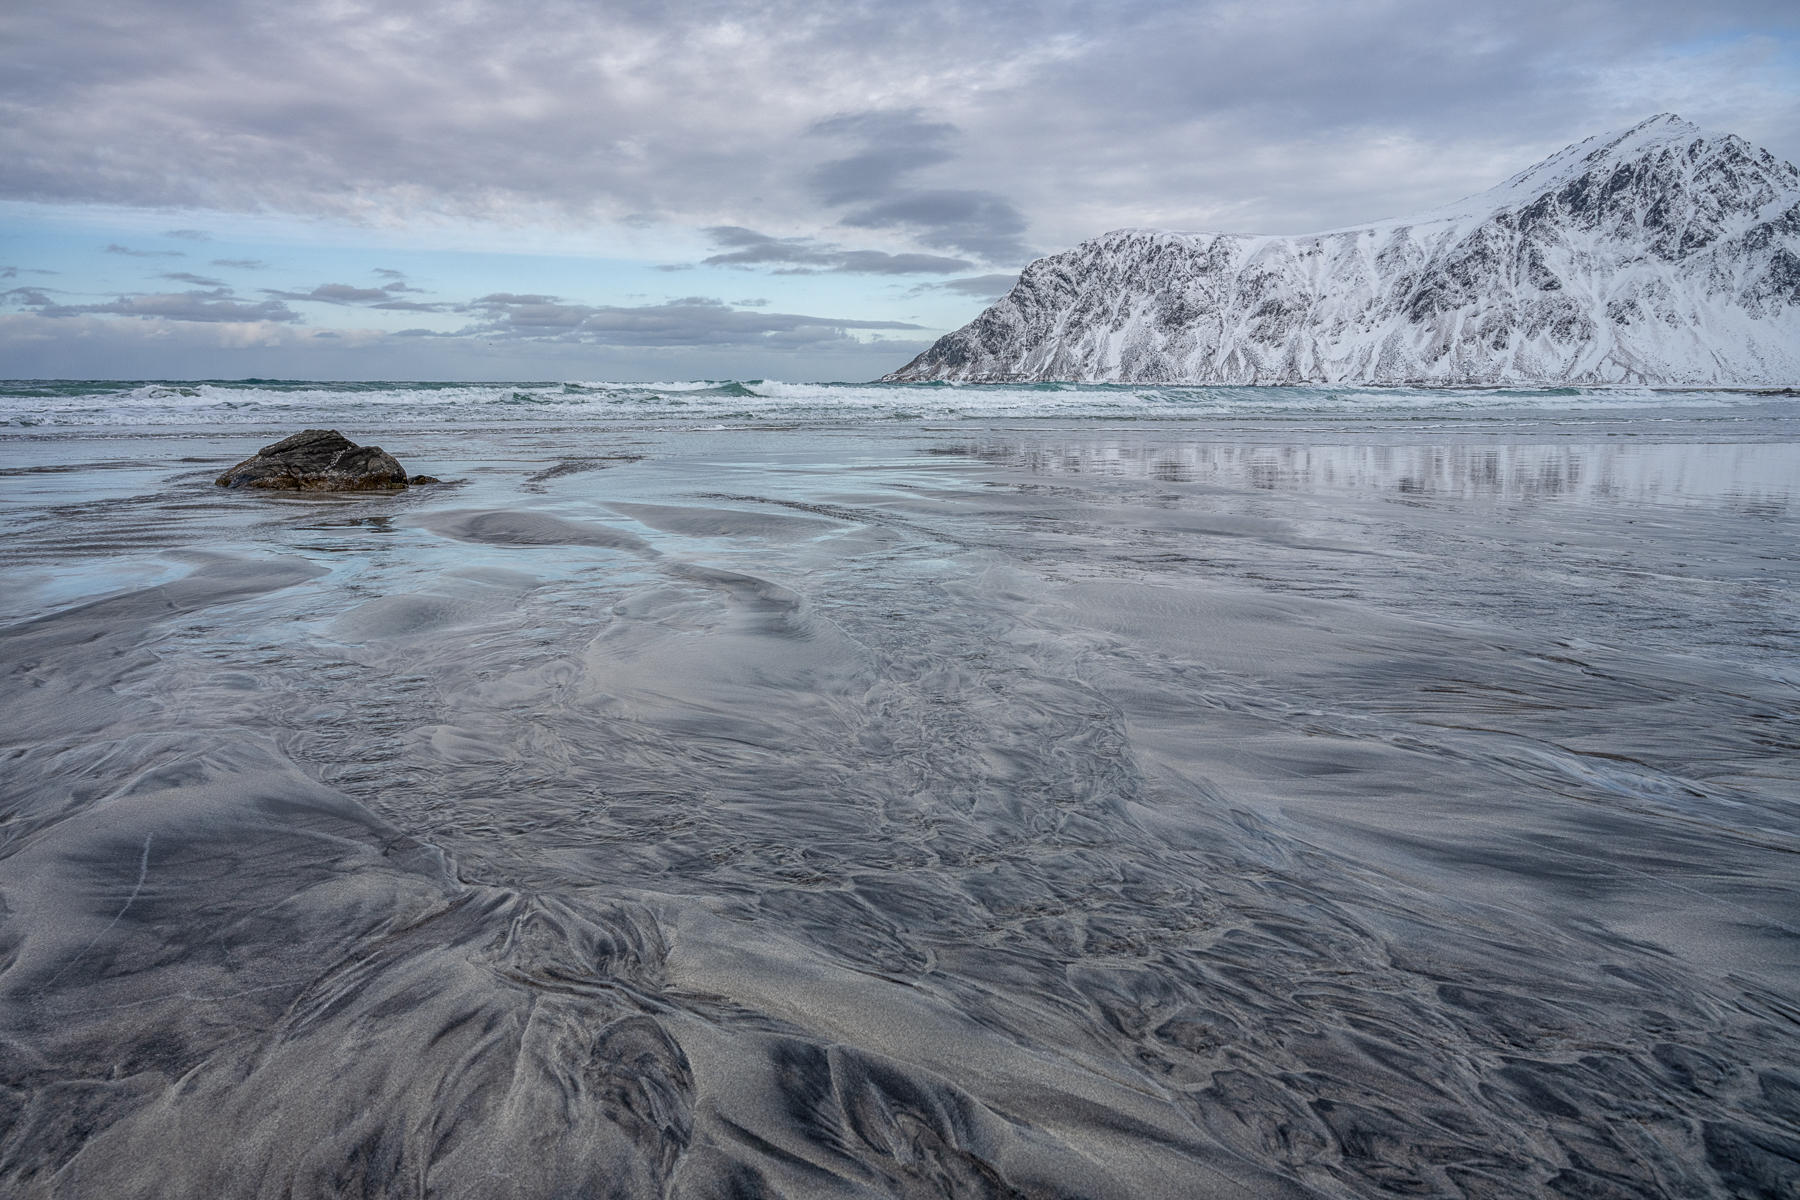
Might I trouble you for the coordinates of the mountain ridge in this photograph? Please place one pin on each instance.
(1655, 255)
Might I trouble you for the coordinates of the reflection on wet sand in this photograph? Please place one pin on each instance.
(931, 813)
(1750, 474)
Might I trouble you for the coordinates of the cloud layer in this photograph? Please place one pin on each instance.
(742, 247)
(981, 132)
(694, 322)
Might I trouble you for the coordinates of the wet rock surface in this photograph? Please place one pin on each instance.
(319, 460)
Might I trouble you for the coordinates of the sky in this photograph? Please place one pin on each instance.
(587, 190)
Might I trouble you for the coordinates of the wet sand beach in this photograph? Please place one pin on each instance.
(988, 808)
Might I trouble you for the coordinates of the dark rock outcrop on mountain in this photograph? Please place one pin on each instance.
(1662, 255)
(318, 460)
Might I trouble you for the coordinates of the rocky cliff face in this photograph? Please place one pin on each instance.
(1662, 255)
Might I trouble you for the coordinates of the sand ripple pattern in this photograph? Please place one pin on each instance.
(960, 820)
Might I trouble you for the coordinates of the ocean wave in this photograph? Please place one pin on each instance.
(255, 402)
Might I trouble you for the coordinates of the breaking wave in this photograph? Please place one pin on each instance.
(255, 402)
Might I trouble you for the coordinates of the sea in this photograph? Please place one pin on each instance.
(747, 789)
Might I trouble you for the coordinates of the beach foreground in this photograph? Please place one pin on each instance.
(1030, 806)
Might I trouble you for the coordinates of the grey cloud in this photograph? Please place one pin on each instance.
(340, 293)
(349, 294)
(396, 280)
(190, 277)
(737, 235)
(211, 306)
(987, 287)
(771, 250)
(693, 321)
(193, 306)
(981, 223)
(689, 321)
(115, 248)
(978, 222)
(9, 272)
(107, 346)
(807, 256)
(189, 235)
(412, 306)
(1057, 119)
(897, 143)
(241, 264)
(511, 299)
(877, 262)
(905, 128)
(334, 293)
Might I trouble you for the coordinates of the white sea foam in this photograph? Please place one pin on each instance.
(691, 402)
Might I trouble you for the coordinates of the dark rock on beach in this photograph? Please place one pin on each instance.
(318, 460)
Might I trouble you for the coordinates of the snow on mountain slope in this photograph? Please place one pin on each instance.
(1662, 255)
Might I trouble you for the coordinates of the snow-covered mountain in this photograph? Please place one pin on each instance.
(1662, 255)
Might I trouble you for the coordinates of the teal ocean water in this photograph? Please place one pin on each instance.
(232, 403)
